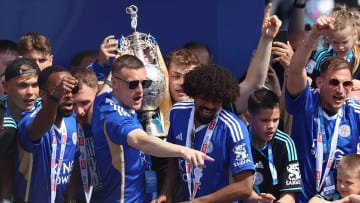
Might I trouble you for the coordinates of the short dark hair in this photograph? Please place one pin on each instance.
(8, 46)
(44, 75)
(199, 45)
(211, 82)
(85, 77)
(334, 63)
(262, 99)
(34, 41)
(128, 61)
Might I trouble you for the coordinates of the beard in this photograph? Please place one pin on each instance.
(63, 113)
(202, 119)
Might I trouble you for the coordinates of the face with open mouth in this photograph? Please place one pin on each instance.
(22, 91)
(205, 110)
(264, 125)
(334, 89)
(131, 99)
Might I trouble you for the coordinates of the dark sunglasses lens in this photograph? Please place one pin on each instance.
(133, 84)
(146, 83)
(334, 82)
(75, 90)
(348, 84)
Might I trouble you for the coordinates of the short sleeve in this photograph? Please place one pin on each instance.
(101, 72)
(118, 128)
(300, 102)
(240, 154)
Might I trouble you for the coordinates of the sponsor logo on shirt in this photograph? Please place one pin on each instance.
(294, 174)
(241, 155)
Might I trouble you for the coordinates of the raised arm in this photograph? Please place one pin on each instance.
(157, 147)
(45, 118)
(258, 68)
(296, 81)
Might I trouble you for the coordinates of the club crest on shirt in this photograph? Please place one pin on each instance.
(74, 138)
(210, 148)
(241, 155)
(258, 178)
(294, 176)
(310, 66)
(344, 130)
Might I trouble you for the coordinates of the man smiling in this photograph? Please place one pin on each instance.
(204, 125)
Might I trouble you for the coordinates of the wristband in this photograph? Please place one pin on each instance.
(52, 97)
(108, 82)
(296, 5)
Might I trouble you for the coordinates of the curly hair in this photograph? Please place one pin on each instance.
(212, 82)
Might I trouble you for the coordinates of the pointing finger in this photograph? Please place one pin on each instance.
(267, 11)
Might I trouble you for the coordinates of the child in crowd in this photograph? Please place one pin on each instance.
(277, 175)
(348, 180)
(340, 42)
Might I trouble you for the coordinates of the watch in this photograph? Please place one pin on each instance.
(52, 97)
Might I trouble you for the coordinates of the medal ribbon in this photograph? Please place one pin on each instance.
(321, 141)
(83, 164)
(204, 146)
(270, 159)
(55, 175)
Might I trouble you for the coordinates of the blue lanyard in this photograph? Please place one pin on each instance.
(349, 56)
(269, 157)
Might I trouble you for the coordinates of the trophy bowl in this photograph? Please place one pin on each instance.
(154, 94)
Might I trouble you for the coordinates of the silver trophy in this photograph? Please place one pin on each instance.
(144, 47)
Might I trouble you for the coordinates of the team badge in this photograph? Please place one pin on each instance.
(344, 130)
(210, 148)
(258, 178)
(74, 138)
(310, 66)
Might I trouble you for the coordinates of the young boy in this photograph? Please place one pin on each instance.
(348, 179)
(277, 175)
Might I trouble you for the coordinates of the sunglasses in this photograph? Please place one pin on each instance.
(133, 84)
(336, 82)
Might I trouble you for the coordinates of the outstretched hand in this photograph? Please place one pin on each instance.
(195, 157)
(271, 24)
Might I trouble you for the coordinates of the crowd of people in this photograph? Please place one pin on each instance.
(275, 136)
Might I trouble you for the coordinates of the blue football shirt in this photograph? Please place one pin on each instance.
(121, 167)
(33, 184)
(229, 146)
(304, 109)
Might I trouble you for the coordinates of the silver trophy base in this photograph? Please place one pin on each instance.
(152, 124)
